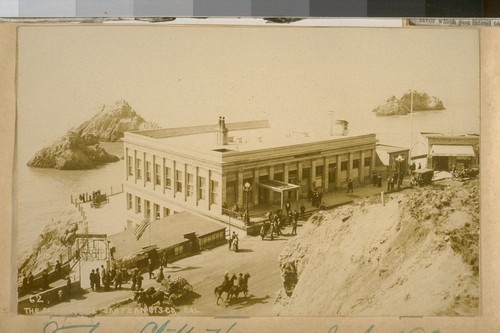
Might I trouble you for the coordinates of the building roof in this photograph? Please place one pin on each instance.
(165, 233)
(242, 137)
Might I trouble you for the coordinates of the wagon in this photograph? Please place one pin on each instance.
(422, 177)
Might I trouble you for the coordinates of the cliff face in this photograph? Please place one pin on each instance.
(54, 241)
(402, 106)
(417, 255)
(79, 148)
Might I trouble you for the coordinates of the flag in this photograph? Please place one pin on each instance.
(141, 228)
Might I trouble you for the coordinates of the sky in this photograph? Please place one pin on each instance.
(181, 75)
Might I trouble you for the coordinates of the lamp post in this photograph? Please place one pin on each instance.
(247, 190)
(399, 161)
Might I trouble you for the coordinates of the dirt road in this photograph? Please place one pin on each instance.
(205, 271)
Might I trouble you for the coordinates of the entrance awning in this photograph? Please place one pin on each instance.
(452, 150)
(278, 186)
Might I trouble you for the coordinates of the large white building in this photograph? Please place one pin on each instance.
(200, 168)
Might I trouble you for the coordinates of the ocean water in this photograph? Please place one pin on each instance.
(44, 193)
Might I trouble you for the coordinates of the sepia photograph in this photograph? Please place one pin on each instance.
(247, 171)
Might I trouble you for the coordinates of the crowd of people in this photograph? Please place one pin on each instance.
(102, 279)
(276, 221)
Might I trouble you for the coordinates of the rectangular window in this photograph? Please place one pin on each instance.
(201, 188)
(368, 161)
(157, 174)
(129, 201)
(138, 167)
(319, 170)
(190, 185)
(178, 181)
(148, 171)
(138, 207)
(214, 190)
(157, 211)
(355, 164)
(147, 205)
(130, 161)
(343, 166)
(166, 212)
(168, 178)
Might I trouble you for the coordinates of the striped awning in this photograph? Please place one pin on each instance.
(452, 150)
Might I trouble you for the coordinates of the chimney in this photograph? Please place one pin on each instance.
(222, 132)
(339, 127)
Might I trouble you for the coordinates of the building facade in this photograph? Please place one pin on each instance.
(205, 168)
(446, 152)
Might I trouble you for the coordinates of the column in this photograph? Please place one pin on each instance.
(163, 175)
(240, 188)
(325, 174)
(153, 166)
(135, 166)
(127, 163)
(255, 186)
(196, 185)
(362, 167)
(339, 168)
(223, 188)
(349, 165)
(209, 187)
(285, 178)
(144, 168)
(174, 178)
(299, 175)
(184, 186)
(372, 166)
(271, 177)
(313, 172)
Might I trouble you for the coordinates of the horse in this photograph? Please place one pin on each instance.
(236, 290)
(224, 288)
(147, 298)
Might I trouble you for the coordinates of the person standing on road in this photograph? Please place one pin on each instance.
(349, 186)
(92, 280)
(139, 279)
(294, 225)
(150, 268)
(68, 286)
(165, 259)
(134, 279)
(103, 274)
(302, 210)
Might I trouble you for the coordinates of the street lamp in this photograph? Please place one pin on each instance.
(399, 161)
(247, 190)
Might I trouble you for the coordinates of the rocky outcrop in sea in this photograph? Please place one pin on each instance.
(79, 148)
(402, 106)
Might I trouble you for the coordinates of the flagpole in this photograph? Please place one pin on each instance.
(411, 123)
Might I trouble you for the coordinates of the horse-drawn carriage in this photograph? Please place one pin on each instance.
(98, 199)
(422, 177)
(170, 293)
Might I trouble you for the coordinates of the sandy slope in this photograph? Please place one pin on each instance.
(417, 255)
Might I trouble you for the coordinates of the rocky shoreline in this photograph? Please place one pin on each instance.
(79, 148)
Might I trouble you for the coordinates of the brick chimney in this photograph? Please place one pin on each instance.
(222, 132)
